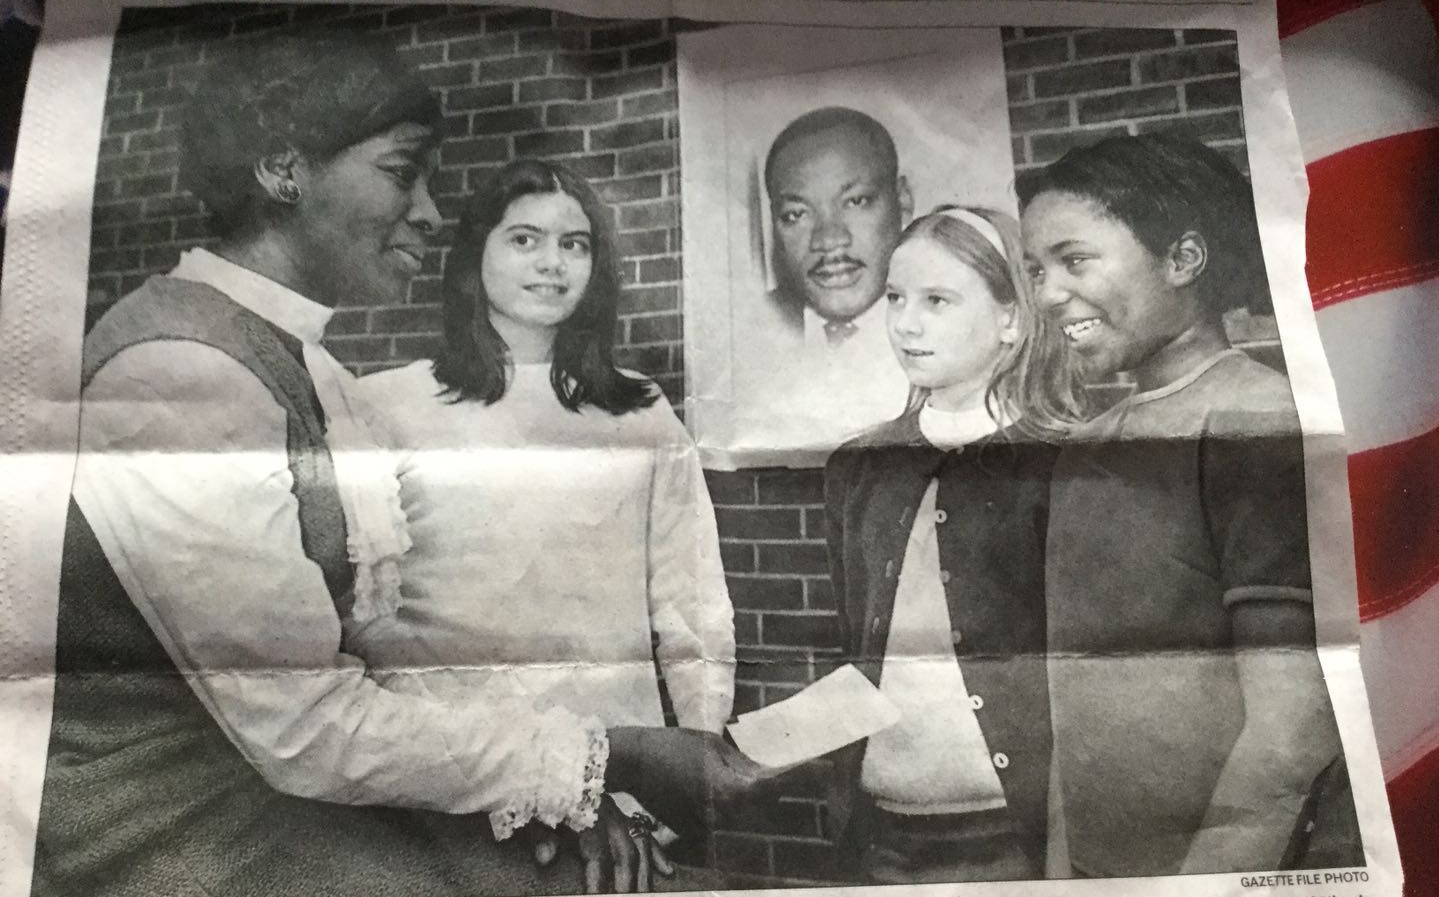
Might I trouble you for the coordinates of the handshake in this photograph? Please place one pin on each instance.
(674, 771)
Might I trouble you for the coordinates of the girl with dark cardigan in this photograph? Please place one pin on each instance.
(936, 528)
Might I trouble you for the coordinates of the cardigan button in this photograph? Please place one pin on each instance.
(889, 569)
(944, 577)
(976, 702)
(1001, 760)
(955, 637)
(941, 515)
(874, 626)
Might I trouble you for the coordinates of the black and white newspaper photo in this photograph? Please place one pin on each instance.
(672, 446)
(790, 341)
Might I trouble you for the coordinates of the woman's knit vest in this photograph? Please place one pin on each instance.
(142, 788)
(144, 794)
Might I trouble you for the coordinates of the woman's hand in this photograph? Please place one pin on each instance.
(678, 771)
(620, 848)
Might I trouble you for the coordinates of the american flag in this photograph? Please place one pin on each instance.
(1364, 84)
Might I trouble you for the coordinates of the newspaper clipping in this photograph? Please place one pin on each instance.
(628, 446)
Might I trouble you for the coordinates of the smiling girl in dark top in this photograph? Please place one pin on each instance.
(936, 533)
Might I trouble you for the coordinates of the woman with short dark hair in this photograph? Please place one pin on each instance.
(235, 519)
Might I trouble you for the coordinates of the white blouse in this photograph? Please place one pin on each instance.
(548, 545)
(183, 473)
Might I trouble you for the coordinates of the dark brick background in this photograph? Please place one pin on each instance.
(602, 97)
(1072, 86)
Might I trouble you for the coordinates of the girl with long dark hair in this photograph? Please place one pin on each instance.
(557, 507)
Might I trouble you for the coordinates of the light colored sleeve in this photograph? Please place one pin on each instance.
(689, 602)
(184, 476)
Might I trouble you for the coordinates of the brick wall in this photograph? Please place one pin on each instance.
(772, 537)
(602, 97)
(1072, 86)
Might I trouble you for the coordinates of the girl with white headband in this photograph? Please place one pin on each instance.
(936, 529)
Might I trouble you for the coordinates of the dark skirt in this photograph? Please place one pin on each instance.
(980, 846)
(313, 849)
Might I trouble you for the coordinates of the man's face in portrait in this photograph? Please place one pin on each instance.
(837, 206)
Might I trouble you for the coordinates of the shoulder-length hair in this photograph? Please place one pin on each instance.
(475, 361)
(1035, 383)
(1160, 187)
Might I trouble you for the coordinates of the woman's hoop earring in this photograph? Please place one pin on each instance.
(288, 192)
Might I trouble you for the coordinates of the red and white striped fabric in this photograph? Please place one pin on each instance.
(1362, 78)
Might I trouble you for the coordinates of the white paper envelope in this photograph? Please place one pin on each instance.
(841, 708)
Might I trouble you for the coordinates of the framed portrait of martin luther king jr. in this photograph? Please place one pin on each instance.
(804, 152)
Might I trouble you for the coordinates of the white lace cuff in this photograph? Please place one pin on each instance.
(564, 777)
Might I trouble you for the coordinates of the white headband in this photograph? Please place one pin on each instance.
(985, 228)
